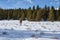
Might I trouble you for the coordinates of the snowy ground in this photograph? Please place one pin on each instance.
(12, 30)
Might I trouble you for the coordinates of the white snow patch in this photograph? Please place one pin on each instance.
(16, 31)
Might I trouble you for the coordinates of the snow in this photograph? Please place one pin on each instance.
(29, 30)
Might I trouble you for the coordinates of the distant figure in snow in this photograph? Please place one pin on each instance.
(20, 22)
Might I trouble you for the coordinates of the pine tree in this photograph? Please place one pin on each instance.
(15, 14)
(8, 15)
(1, 13)
(39, 15)
(58, 14)
(51, 14)
(19, 13)
(33, 13)
(45, 13)
(33, 8)
(29, 14)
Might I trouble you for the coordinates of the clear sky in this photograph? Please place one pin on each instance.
(26, 3)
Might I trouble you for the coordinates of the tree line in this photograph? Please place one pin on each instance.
(31, 14)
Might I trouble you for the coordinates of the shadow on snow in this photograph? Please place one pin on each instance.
(27, 34)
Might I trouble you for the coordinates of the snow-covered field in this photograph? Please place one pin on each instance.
(12, 30)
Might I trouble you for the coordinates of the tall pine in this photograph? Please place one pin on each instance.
(51, 14)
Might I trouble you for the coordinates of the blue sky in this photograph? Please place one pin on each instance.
(28, 3)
